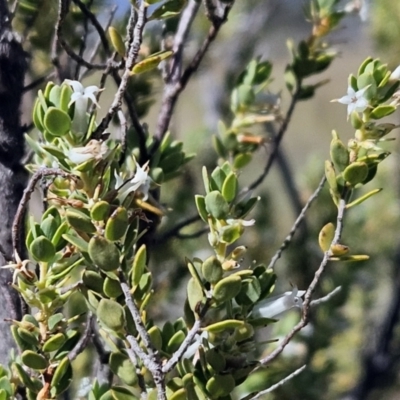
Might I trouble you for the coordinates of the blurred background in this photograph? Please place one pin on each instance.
(352, 345)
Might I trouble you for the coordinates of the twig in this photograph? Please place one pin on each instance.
(326, 298)
(19, 215)
(38, 82)
(277, 385)
(84, 39)
(150, 360)
(59, 40)
(175, 358)
(174, 231)
(176, 85)
(83, 341)
(310, 290)
(95, 22)
(298, 221)
(97, 45)
(130, 62)
(276, 143)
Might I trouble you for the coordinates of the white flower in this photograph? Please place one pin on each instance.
(355, 100)
(80, 97)
(395, 75)
(93, 150)
(273, 306)
(241, 222)
(140, 182)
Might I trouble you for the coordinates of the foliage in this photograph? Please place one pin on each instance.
(102, 197)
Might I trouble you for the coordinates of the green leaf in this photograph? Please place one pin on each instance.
(100, 211)
(117, 224)
(57, 122)
(201, 207)
(221, 385)
(212, 270)
(229, 187)
(139, 265)
(79, 221)
(34, 360)
(356, 173)
(216, 205)
(227, 288)
(151, 61)
(111, 314)
(103, 253)
(382, 111)
(117, 41)
(42, 249)
(122, 366)
(169, 9)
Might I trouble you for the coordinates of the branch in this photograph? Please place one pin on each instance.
(276, 143)
(175, 230)
(298, 221)
(277, 385)
(176, 82)
(176, 357)
(63, 6)
(150, 360)
(326, 298)
(130, 62)
(310, 290)
(84, 339)
(83, 40)
(19, 215)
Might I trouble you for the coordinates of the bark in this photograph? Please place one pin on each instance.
(12, 174)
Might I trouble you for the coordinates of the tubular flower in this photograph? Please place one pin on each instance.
(81, 97)
(273, 306)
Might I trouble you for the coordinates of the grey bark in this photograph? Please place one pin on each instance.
(12, 174)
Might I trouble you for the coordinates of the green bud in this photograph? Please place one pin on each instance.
(355, 120)
(244, 332)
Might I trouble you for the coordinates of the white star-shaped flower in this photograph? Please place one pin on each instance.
(355, 100)
(81, 97)
(94, 149)
(140, 182)
(273, 306)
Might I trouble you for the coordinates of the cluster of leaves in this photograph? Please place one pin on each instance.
(93, 226)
